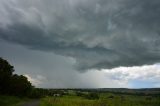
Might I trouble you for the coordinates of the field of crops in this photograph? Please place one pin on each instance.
(105, 99)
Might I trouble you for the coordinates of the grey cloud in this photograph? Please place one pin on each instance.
(98, 33)
(48, 70)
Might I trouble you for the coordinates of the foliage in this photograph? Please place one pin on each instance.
(6, 71)
(37, 93)
(12, 84)
(11, 100)
(92, 96)
(67, 101)
(79, 93)
(89, 95)
(104, 100)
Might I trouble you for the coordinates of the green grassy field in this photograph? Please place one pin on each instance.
(106, 99)
(72, 98)
(11, 101)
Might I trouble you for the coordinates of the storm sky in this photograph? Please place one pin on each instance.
(83, 43)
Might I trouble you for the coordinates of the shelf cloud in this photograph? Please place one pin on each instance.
(98, 34)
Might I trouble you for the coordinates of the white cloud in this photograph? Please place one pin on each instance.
(121, 77)
(39, 79)
(147, 73)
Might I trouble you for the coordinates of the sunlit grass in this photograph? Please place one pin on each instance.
(67, 101)
(117, 100)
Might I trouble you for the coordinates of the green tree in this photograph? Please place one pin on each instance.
(12, 83)
(92, 95)
(19, 85)
(6, 71)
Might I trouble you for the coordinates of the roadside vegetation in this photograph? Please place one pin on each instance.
(105, 99)
(12, 100)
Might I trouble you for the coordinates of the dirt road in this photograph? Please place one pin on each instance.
(32, 103)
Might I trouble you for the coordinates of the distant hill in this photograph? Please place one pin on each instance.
(142, 91)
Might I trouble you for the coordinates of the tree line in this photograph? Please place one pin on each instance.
(18, 85)
(12, 84)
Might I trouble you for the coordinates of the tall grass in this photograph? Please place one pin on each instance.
(67, 101)
(11, 100)
(117, 100)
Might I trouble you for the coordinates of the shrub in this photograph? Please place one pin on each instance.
(92, 96)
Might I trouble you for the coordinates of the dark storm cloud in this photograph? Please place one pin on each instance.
(98, 33)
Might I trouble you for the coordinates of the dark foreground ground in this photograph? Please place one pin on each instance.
(32, 103)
